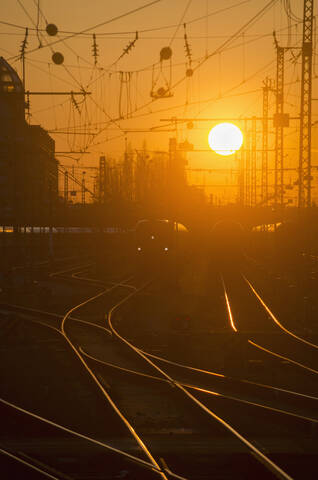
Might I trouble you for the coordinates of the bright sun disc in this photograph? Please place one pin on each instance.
(225, 138)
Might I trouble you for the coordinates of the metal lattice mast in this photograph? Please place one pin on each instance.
(240, 155)
(253, 162)
(102, 179)
(304, 181)
(83, 191)
(268, 85)
(66, 187)
(247, 166)
(279, 126)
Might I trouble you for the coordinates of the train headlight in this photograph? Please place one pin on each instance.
(166, 249)
(139, 249)
(152, 237)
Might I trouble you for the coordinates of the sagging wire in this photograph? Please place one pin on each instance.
(74, 103)
(52, 96)
(125, 79)
(179, 24)
(289, 13)
(106, 22)
(46, 44)
(40, 12)
(129, 32)
(38, 24)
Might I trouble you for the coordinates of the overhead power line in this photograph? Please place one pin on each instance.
(118, 17)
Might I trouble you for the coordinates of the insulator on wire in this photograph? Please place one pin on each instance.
(165, 53)
(95, 49)
(129, 46)
(74, 102)
(58, 58)
(24, 43)
(51, 29)
(187, 46)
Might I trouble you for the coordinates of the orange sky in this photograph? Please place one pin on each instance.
(228, 84)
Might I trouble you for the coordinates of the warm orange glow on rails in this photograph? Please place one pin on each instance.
(275, 319)
(287, 359)
(228, 306)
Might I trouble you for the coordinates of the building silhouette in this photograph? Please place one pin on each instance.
(28, 168)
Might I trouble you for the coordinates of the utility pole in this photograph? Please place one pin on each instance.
(305, 178)
(247, 165)
(66, 187)
(240, 156)
(83, 189)
(102, 179)
(279, 125)
(267, 87)
(253, 163)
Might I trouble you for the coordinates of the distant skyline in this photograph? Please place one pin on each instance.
(227, 84)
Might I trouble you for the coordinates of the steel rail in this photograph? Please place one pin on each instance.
(301, 365)
(29, 464)
(262, 458)
(42, 263)
(248, 382)
(165, 360)
(196, 387)
(271, 314)
(228, 306)
(271, 352)
(91, 281)
(122, 453)
(100, 283)
(154, 465)
(139, 441)
(70, 269)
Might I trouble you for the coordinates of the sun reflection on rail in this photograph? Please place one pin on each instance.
(228, 306)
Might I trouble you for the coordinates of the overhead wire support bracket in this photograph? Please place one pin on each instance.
(83, 92)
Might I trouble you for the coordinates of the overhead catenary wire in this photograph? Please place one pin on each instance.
(234, 36)
(147, 104)
(106, 22)
(180, 22)
(220, 48)
(129, 32)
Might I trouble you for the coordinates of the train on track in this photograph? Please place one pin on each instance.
(161, 248)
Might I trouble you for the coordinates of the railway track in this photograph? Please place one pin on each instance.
(251, 317)
(61, 330)
(206, 400)
(184, 389)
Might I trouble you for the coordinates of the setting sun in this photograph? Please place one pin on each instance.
(225, 138)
